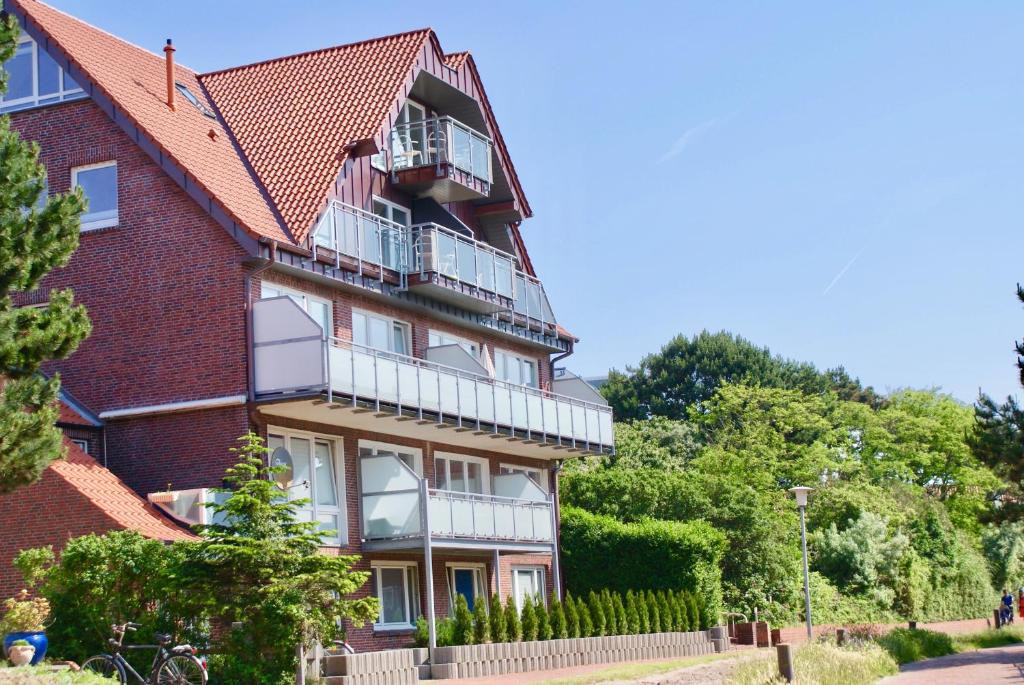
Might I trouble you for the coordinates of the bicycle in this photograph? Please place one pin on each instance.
(175, 666)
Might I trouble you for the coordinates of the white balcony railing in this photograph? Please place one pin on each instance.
(363, 236)
(438, 141)
(475, 263)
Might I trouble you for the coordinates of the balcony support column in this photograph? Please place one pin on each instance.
(556, 570)
(497, 572)
(428, 561)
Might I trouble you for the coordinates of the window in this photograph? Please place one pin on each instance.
(515, 369)
(437, 338)
(460, 473)
(527, 581)
(313, 471)
(319, 309)
(34, 79)
(466, 580)
(410, 456)
(397, 586)
(81, 444)
(381, 333)
(193, 100)
(538, 476)
(99, 183)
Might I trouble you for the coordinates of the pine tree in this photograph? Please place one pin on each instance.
(632, 614)
(528, 618)
(586, 625)
(620, 615)
(572, 619)
(596, 613)
(543, 620)
(611, 626)
(481, 624)
(653, 615)
(463, 621)
(513, 627)
(497, 618)
(559, 630)
(34, 239)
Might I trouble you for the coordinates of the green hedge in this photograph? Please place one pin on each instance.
(600, 552)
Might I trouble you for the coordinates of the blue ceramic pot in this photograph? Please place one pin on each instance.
(37, 640)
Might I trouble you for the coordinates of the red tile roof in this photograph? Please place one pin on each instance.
(70, 416)
(115, 499)
(293, 116)
(135, 81)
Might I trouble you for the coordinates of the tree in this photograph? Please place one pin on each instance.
(260, 571)
(543, 620)
(37, 235)
(632, 614)
(499, 629)
(559, 629)
(463, 621)
(481, 626)
(863, 558)
(998, 441)
(586, 625)
(596, 613)
(611, 626)
(621, 617)
(513, 627)
(528, 618)
(688, 371)
(653, 612)
(572, 618)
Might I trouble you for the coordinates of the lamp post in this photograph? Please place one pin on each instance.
(800, 492)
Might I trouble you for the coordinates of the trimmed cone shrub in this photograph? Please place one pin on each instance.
(543, 620)
(513, 628)
(463, 622)
(632, 614)
(680, 610)
(620, 614)
(653, 615)
(643, 613)
(696, 622)
(528, 617)
(611, 625)
(481, 624)
(572, 619)
(556, 614)
(586, 625)
(668, 620)
(499, 633)
(596, 613)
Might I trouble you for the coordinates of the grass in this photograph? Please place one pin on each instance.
(907, 645)
(640, 670)
(821, 664)
(28, 675)
(989, 638)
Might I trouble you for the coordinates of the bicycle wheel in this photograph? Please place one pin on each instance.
(105, 666)
(181, 669)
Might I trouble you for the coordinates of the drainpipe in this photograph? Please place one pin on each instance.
(250, 335)
(551, 365)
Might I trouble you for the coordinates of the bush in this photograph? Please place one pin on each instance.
(513, 627)
(913, 645)
(481, 624)
(632, 614)
(499, 631)
(620, 614)
(654, 615)
(463, 621)
(543, 620)
(697, 619)
(586, 625)
(529, 620)
(444, 627)
(611, 624)
(598, 552)
(596, 614)
(572, 618)
(557, 619)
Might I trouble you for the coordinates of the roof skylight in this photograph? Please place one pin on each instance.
(191, 97)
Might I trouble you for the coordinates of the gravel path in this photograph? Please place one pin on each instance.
(994, 666)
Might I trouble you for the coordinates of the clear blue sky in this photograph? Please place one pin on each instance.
(839, 181)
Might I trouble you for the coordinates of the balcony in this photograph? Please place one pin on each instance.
(362, 241)
(394, 515)
(292, 358)
(441, 158)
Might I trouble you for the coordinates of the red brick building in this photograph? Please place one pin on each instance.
(323, 248)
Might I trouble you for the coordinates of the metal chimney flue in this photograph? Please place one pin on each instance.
(169, 54)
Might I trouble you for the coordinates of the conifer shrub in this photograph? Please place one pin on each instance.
(481, 624)
(513, 626)
(620, 615)
(611, 624)
(556, 614)
(528, 618)
(653, 615)
(499, 632)
(697, 621)
(572, 619)
(596, 613)
(463, 622)
(586, 625)
(642, 612)
(668, 621)
(543, 620)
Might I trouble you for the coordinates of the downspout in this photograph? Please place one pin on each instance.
(254, 418)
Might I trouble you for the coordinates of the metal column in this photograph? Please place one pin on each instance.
(497, 573)
(428, 560)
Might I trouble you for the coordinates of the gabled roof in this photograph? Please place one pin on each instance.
(71, 412)
(134, 80)
(294, 116)
(110, 495)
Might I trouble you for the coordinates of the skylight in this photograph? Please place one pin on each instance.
(191, 97)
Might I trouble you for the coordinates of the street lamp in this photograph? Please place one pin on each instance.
(801, 492)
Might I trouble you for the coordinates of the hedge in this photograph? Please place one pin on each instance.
(600, 552)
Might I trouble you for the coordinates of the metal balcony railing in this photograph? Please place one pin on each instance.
(489, 517)
(475, 263)
(362, 236)
(441, 141)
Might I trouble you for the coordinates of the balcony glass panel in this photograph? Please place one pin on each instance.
(470, 261)
(461, 515)
(441, 140)
(361, 235)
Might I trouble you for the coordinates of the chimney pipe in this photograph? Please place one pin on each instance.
(169, 53)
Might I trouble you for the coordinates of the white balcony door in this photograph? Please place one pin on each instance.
(527, 581)
(409, 143)
(384, 244)
(311, 467)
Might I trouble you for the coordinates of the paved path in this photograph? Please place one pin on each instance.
(982, 667)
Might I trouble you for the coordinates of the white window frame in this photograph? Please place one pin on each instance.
(107, 222)
(474, 350)
(377, 446)
(537, 570)
(542, 475)
(33, 100)
(521, 360)
(81, 444)
(392, 206)
(392, 323)
(485, 470)
(306, 298)
(406, 566)
(337, 447)
(479, 581)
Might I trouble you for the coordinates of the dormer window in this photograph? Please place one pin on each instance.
(193, 100)
(34, 79)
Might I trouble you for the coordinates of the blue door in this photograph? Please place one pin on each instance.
(465, 585)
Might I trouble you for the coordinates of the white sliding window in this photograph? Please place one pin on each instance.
(313, 471)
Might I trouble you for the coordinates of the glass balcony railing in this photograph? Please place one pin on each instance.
(531, 301)
(441, 141)
(442, 250)
(363, 236)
